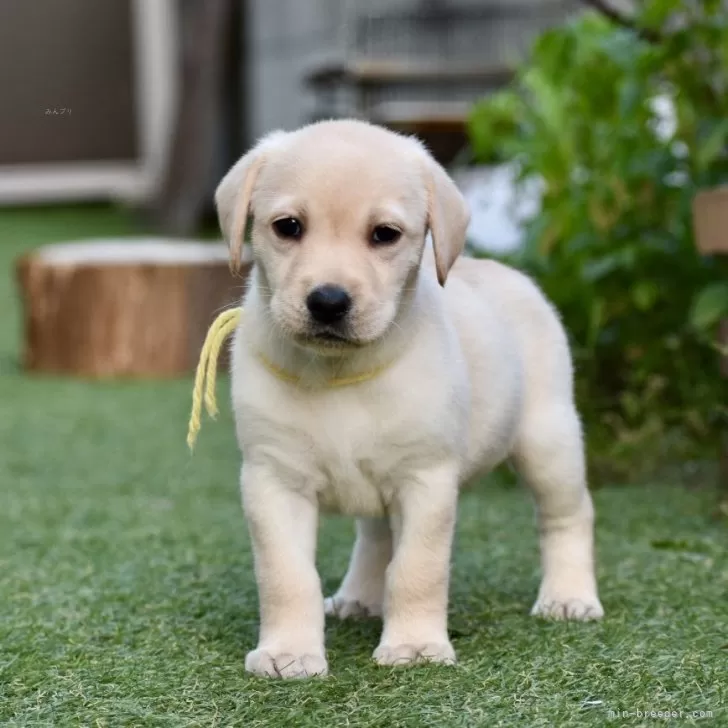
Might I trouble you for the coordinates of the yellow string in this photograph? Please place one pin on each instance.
(227, 324)
(206, 373)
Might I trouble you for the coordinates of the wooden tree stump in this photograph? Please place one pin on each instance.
(117, 308)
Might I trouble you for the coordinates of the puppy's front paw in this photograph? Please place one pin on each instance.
(346, 608)
(410, 654)
(567, 604)
(286, 665)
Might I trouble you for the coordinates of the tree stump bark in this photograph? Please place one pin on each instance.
(108, 309)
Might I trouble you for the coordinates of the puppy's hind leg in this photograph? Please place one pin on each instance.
(361, 593)
(550, 456)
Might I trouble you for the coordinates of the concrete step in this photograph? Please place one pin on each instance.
(391, 71)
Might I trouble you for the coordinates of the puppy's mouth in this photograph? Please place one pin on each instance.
(327, 338)
(331, 336)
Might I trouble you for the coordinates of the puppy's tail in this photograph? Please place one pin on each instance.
(206, 374)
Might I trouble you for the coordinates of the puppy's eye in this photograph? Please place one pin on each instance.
(289, 228)
(385, 235)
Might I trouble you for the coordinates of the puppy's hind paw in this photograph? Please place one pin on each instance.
(344, 608)
(581, 610)
(285, 665)
(410, 654)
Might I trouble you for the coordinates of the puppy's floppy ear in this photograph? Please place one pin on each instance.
(448, 218)
(233, 194)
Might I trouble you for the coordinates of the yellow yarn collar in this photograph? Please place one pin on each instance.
(206, 374)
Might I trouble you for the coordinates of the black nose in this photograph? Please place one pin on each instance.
(328, 303)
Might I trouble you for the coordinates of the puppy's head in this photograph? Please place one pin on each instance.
(337, 214)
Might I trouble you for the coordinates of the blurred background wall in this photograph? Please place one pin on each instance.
(87, 94)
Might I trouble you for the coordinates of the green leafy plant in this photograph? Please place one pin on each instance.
(612, 245)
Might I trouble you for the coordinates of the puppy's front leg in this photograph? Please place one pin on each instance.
(282, 525)
(415, 604)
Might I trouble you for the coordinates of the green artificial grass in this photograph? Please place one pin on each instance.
(127, 595)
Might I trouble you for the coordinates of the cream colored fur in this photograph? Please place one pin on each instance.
(475, 371)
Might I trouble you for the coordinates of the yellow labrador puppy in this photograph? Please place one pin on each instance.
(366, 384)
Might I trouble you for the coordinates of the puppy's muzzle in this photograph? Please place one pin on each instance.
(328, 304)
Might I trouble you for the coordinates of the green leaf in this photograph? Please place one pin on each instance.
(552, 51)
(655, 13)
(645, 294)
(596, 321)
(598, 268)
(713, 146)
(709, 306)
(492, 125)
(631, 96)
